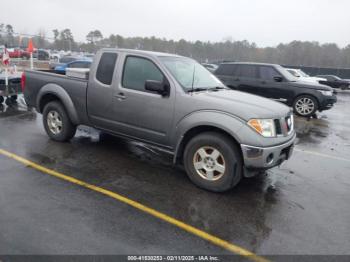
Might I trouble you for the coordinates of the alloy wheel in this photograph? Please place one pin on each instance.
(54, 122)
(304, 106)
(209, 163)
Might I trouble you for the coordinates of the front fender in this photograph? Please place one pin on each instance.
(208, 118)
(62, 95)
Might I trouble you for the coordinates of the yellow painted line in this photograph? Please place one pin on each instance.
(195, 231)
(322, 155)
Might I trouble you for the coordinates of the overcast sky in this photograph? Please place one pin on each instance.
(265, 22)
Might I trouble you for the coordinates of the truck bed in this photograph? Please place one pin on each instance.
(75, 88)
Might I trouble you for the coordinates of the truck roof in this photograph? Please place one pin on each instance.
(249, 63)
(136, 51)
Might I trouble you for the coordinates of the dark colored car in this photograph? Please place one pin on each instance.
(41, 55)
(275, 82)
(335, 81)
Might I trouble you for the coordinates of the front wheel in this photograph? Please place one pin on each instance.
(305, 105)
(213, 162)
(56, 122)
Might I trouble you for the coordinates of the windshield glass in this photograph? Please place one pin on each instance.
(190, 74)
(302, 73)
(293, 72)
(287, 74)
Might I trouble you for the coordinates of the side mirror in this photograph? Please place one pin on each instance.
(278, 78)
(157, 86)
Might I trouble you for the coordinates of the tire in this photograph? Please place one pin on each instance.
(56, 122)
(1, 99)
(229, 157)
(305, 105)
(8, 101)
(14, 98)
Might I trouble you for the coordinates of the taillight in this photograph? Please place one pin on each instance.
(23, 81)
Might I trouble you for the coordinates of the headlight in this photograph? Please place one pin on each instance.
(265, 127)
(326, 93)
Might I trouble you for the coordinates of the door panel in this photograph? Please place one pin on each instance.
(227, 74)
(270, 88)
(139, 113)
(100, 91)
(247, 79)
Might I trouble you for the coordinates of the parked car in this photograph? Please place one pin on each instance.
(18, 53)
(335, 81)
(172, 103)
(274, 81)
(41, 54)
(302, 76)
(75, 64)
(210, 67)
(62, 60)
(55, 56)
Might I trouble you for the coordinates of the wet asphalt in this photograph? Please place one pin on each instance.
(301, 207)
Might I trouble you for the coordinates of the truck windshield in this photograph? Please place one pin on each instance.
(190, 74)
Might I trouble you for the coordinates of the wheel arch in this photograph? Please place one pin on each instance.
(196, 130)
(54, 92)
(307, 94)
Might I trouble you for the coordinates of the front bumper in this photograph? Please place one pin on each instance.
(262, 158)
(327, 102)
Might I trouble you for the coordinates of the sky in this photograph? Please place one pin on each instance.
(265, 22)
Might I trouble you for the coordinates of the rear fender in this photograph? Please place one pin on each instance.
(62, 96)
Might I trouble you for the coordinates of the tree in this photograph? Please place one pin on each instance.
(67, 40)
(9, 35)
(9, 29)
(94, 36)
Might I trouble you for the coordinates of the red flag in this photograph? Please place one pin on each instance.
(30, 48)
(5, 57)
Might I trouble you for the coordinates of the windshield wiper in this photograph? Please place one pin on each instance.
(218, 88)
(197, 89)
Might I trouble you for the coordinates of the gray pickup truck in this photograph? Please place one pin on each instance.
(172, 103)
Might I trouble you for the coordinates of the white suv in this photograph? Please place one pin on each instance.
(303, 76)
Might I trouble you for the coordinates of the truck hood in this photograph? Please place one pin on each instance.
(243, 105)
(311, 85)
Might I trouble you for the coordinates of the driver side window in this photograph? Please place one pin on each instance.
(137, 71)
(268, 73)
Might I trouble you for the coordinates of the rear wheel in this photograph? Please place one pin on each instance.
(56, 122)
(1, 99)
(213, 162)
(305, 105)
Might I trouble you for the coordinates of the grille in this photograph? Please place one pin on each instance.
(278, 127)
(284, 126)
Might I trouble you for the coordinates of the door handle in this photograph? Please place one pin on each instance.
(263, 82)
(121, 96)
(236, 79)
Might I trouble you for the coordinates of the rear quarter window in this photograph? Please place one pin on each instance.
(248, 71)
(226, 70)
(105, 68)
